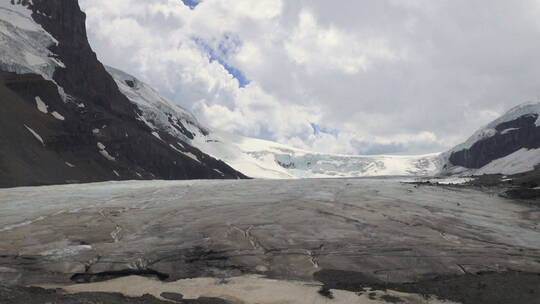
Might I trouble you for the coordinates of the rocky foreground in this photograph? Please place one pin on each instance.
(256, 241)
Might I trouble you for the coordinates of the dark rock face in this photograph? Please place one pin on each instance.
(482, 287)
(84, 76)
(72, 149)
(511, 136)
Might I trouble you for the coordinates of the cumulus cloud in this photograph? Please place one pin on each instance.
(318, 48)
(350, 77)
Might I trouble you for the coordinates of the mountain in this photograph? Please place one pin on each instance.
(507, 145)
(260, 158)
(63, 117)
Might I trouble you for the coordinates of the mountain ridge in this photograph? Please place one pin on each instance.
(509, 145)
(65, 120)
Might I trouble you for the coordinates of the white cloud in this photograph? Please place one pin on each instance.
(352, 143)
(387, 76)
(330, 48)
(261, 9)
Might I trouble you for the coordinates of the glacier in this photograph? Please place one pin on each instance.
(25, 44)
(289, 231)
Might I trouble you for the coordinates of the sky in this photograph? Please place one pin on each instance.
(348, 77)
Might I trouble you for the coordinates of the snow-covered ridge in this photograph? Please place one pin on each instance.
(24, 42)
(527, 108)
(260, 158)
(522, 160)
(157, 112)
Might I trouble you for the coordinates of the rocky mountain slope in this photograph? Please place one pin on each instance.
(508, 145)
(64, 118)
(260, 158)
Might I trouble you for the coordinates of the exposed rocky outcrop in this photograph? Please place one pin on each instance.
(469, 288)
(508, 145)
(77, 126)
(511, 136)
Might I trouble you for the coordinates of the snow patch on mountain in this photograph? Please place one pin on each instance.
(523, 160)
(157, 112)
(35, 134)
(520, 161)
(41, 106)
(192, 156)
(260, 158)
(102, 150)
(25, 43)
(58, 116)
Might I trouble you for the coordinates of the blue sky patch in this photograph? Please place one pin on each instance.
(220, 55)
(317, 129)
(191, 3)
